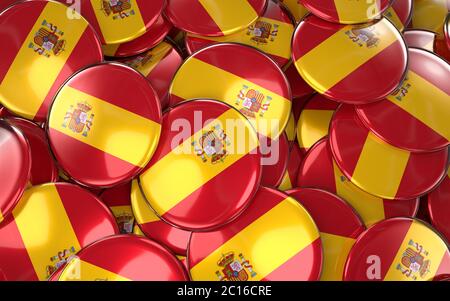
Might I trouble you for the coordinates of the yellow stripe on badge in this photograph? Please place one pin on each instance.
(369, 207)
(266, 250)
(141, 210)
(311, 65)
(183, 158)
(379, 160)
(53, 225)
(285, 182)
(431, 243)
(80, 270)
(212, 77)
(137, 231)
(279, 47)
(393, 17)
(115, 29)
(232, 12)
(291, 130)
(417, 102)
(40, 75)
(157, 54)
(351, 11)
(128, 145)
(110, 49)
(121, 210)
(312, 126)
(335, 248)
(1, 216)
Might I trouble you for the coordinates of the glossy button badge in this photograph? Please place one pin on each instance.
(15, 162)
(43, 167)
(347, 12)
(150, 225)
(430, 14)
(121, 21)
(422, 39)
(237, 74)
(214, 18)
(275, 154)
(290, 176)
(128, 257)
(380, 168)
(271, 33)
(159, 66)
(274, 239)
(400, 13)
(104, 125)
(118, 200)
(296, 8)
(439, 207)
(339, 227)
(51, 223)
(399, 249)
(205, 153)
(353, 64)
(417, 116)
(41, 49)
(319, 170)
(157, 32)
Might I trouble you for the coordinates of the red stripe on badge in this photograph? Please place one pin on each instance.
(175, 239)
(112, 167)
(291, 271)
(89, 14)
(236, 175)
(397, 208)
(444, 265)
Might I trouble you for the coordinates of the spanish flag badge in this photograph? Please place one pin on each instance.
(293, 165)
(400, 13)
(118, 200)
(439, 207)
(296, 9)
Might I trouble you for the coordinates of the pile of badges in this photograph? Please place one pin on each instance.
(225, 140)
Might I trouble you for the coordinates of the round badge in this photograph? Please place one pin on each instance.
(153, 227)
(293, 165)
(379, 168)
(339, 227)
(104, 125)
(398, 249)
(214, 18)
(5, 3)
(439, 207)
(128, 257)
(159, 66)
(237, 74)
(299, 87)
(347, 12)
(353, 64)
(274, 239)
(15, 162)
(275, 154)
(314, 121)
(271, 33)
(400, 13)
(296, 9)
(430, 14)
(43, 167)
(216, 147)
(157, 32)
(121, 21)
(41, 49)
(118, 200)
(318, 170)
(51, 223)
(422, 39)
(416, 116)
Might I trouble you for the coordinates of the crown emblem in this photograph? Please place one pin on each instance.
(234, 269)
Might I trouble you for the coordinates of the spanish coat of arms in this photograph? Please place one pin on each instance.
(404, 89)
(212, 144)
(78, 119)
(253, 102)
(262, 32)
(234, 269)
(414, 262)
(48, 40)
(139, 61)
(364, 36)
(118, 9)
(60, 259)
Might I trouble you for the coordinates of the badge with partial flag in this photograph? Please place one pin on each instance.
(400, 13)
(41, 49)
(319, 170)
(151, 226)
(299, 87)
(124, 258)
(380, 168)
(159, 66)
(51, 223)
(214, 18)
(339, 227)
(206, 168)
(104, 125)
(296, 8)
(274, 239)
(439, 207)
(237, 75)
(118, 200)
(353, 64)
(275, 154)
(422, 39)
(271, 33)
(430, 14)
(293, 165)
(398, 249)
